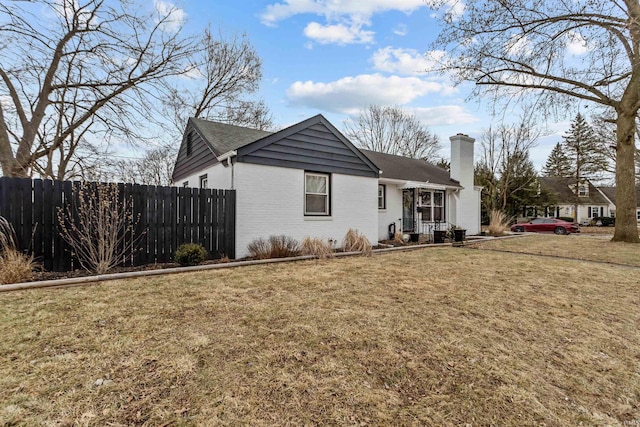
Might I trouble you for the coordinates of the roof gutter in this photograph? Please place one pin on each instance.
(225, 156)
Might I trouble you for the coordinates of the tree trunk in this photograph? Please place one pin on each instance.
(626, 203)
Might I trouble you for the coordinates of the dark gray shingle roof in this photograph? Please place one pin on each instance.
(223, 137)
(562, 189)
(610, 192)
(398, 167)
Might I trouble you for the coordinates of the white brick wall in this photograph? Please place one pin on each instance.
(392, 213)
(219, 177)
(270, 201)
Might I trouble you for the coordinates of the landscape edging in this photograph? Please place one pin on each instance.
(87, 280)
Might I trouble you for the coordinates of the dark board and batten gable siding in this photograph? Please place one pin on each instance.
(201, 156)
(312, 145)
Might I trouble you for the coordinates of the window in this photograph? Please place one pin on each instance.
(382, 199)
(189, 143)
(583, 190)
(637, 214)
(204, 181)
(185, 184)
(432, 205)
(316, 194)
(438, 206)
(593, 212)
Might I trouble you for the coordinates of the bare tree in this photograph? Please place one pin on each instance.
(560, 51)
(67, 65)
(392, 130)
(155, 168)
(255, 115)
(224, 70)
(504, 169)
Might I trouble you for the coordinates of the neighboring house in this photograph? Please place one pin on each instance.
(591, 202)
(610, 194)
(309, 180)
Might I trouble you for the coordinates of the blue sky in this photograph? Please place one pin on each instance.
(336, 57)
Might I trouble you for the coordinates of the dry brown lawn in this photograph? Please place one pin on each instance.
(440, 337)
(583, 247)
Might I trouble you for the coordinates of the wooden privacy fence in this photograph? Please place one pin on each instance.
(167, 217)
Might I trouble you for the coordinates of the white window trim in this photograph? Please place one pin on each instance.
(327, 203)
(383, 198)
(204, 181)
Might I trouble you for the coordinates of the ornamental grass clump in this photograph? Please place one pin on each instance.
(190, 254)
(15, 267)
(8, 239)
(498, 223)
(356, 242)
(317, 247)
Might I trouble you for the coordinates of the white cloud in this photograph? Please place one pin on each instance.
(344, 17)
(518, 44)
(406, 61)
(172, 16)
(340, 33)
(334, 8)
(401, 30)
(577, 44)
(350, 94)
(443, 115)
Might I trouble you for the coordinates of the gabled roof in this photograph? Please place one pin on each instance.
(610, 192)
(561, 187)
(223, 137)
(313, 144)
(404, 168)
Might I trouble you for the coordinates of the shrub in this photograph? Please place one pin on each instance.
(259, 248)
(275, 247)
(498, 223)
(356, 242)
(317, 247)
(99, 226)
(15, 267)
(283, 246)
(190, 254)
(604, 221)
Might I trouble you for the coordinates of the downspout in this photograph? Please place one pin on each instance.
(229, 158)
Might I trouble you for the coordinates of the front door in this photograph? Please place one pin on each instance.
(408, 210)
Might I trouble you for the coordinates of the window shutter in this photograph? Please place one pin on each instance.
(589, 211)
(601, 211)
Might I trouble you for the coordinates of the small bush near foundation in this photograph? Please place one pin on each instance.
(274, 247)
(283, 246)
(317, 247)
(259, 248)
(15, 267)
(356, 242)
(190, 254)
(498, 223)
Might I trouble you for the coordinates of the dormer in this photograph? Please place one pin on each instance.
(583, 188)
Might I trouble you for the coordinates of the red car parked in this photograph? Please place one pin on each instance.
(557, 226)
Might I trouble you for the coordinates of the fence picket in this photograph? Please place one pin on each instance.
(168, 216)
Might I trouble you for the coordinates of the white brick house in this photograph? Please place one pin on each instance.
(309, 180)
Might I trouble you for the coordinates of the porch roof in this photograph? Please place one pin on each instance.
(419, 172)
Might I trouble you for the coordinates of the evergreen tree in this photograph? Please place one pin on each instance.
(558, 164)
(585, 153)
